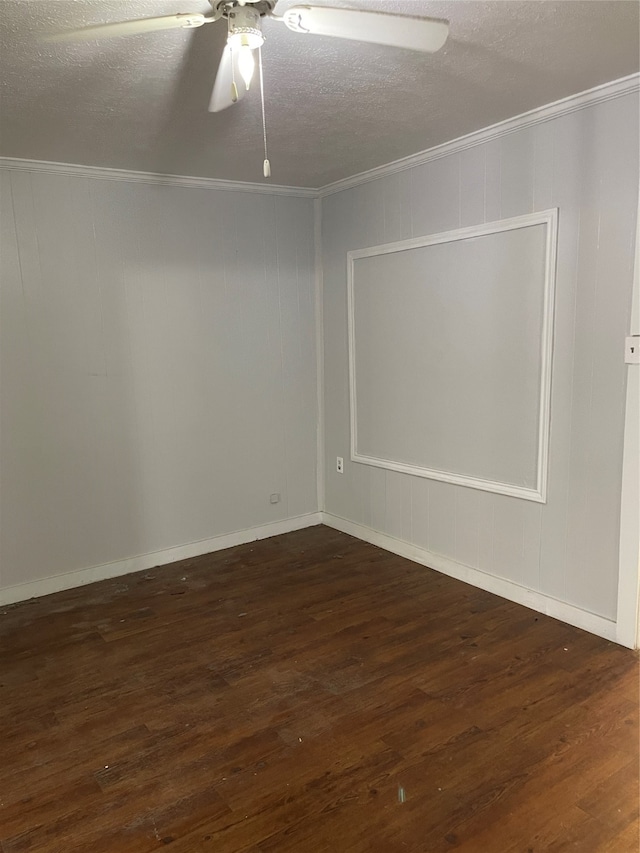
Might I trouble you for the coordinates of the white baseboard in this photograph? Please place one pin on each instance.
(57, 583)
(499, 586)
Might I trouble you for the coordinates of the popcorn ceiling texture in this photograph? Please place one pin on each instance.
(334, 107)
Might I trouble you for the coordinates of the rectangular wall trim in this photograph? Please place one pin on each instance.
(70, 580)
(319, 308)
(629, 563)
(498, 586)
(537, 492)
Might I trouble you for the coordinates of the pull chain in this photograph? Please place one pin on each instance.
(234, 88)
(266, 166)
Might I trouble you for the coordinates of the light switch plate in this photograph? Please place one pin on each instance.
(632, 349)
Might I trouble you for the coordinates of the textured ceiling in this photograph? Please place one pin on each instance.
(334, 107)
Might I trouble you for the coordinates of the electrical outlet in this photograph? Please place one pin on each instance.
(340, 465)
(274, 498)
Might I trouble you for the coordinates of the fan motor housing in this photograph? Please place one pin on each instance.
(245, 20)
(233, 9)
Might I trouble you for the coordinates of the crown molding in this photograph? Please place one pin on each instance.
(20, 165)
(604, 92)
(565, 106)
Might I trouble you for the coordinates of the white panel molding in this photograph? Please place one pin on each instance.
(604, 92)
(319, 312)
(537, 601)
(549, 218)
(629, 560)
(100, 173)
(81, 577)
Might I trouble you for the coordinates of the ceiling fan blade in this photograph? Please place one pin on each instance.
(425, 34)
(225, 94)
(130, 28)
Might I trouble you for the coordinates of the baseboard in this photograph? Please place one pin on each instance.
(57, 583)
(499, 586)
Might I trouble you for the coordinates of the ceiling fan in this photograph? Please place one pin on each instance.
(245, 37)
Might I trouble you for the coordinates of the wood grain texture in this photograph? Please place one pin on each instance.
(277, 696)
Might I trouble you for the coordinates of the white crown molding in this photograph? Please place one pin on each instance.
(604, 92)
(19, 165)
(144, 562)
(530, 598)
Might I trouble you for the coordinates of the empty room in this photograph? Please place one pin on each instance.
(319, 426)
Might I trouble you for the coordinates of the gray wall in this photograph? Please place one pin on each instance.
(158, 368)
(586, 164)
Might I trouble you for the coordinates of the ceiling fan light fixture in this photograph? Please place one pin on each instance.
(253, 39)
(243, 44)
(245, 36)
(246, 62)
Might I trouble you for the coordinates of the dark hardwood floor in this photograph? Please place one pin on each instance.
(310, 693)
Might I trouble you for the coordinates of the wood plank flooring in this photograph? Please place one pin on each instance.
(310, 693)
